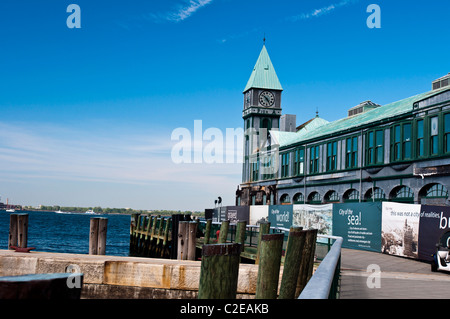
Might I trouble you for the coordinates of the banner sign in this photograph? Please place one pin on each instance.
(400, 229)
(238, 213)
(359, 224)
(280, 216)
(259, 214)
(318, 217)
(434, 221)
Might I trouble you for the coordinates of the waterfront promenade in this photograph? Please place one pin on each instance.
(400, 278)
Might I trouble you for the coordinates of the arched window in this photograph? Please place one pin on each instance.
(314, 198)
(332, 197)
(299, 198)
(374, 194)
(285, 199)
(434, 191)
(351, 195)
(402, 194)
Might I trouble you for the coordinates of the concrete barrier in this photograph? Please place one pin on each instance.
(111, 277)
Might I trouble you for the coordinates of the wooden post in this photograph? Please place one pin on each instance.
(133, 224)
(219, 271)
(207, 231)
(192, 240)
(101, 239)
(22, 230)
(223, 232)
(240, 233)
(166, 237)
(293, 255)
(176, 219)
(182, 240)
(269, 266)
(13, 240)
(93, 236)
(264, 228)
(307, 261)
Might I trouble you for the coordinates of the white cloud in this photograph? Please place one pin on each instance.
(321, 11)
(188, 10)
(30, 155)
(183, 11)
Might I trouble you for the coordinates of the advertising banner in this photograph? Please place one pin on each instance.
(434, 221)
(280, 216)
(318, 217)
(219, 214)
(400, 229)
(359, 224)
(238, 213)
(259, 214)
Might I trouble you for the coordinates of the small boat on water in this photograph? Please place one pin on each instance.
(10, 210)
(90, 212)
(61, 212)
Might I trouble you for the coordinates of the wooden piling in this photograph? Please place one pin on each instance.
(13, 240)
(240, 233)
(207, 231)
(182, 240)
(165, 243)
(22, 230)
(219, 271)
(97, 236)
(269, 266)
(264, 228)
(307, 261)
(223, 232)
(192, 240)
(133, 224)
(101, 239)
(293, 256)
(93, 236)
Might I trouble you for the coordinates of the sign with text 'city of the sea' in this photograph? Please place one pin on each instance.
(359, 224)
(280, 216)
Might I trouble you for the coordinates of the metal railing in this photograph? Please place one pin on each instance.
(324, 284)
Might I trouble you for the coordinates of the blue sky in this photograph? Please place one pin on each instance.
(86, 115)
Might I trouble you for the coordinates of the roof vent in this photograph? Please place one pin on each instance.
(441, 82)
(362, 107)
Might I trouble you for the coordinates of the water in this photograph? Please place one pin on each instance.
(69, 233)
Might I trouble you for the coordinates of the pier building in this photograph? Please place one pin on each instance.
(394, 152)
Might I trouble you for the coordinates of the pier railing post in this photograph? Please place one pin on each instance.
(293, 256)
(264, 228)
(208, 231)
(241, 232)
(223, 232)
(219, 271)
(307, 261)
(269, 266)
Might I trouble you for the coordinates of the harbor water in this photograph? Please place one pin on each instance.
(69, 232)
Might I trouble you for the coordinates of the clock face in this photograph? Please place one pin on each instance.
(266, 98)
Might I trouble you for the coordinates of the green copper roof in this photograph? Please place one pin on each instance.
(387, 111)
(263, 75)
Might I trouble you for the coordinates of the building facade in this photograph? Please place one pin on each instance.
(394, 152)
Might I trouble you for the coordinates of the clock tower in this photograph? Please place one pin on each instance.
(262, 112)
